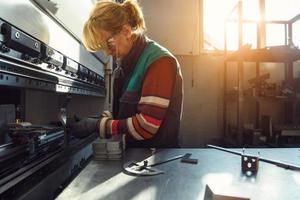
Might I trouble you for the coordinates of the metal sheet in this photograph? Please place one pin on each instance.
(26, 16)
(220, 170)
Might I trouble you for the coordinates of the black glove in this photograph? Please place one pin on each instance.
(83, 128)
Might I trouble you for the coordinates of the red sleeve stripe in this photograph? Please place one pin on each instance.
(114, 127)
(108, 126)
(156, 101)
(146, 125)
(142, 132)
(132, 130)
(151, 120)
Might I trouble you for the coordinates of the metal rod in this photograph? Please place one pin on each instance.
(165, 161)
(294, 19)
(263, 21)
(224, 149)
(266, 160)
(290, 34)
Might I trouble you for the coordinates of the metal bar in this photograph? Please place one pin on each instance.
(257, 104)
(225, 38)
(225, 82)
(225, 101)
(262, 25)
(294, 19)
(225, 73)
(274, 162)
(240, 23)
(263, 21)
(240, 102)
(258, 34)
(275, 22)
(224, 149)
(240, 77)
(165, 161)
(24, 172)
(261, 42)
(285, 35)
(290, 34)
(2, 147)
(8, 151)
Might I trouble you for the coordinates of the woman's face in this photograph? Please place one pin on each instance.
(118, 44)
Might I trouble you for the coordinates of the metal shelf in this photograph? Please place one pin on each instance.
(282, 54)
(286, 54)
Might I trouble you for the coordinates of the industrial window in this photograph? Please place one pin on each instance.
(215, 12)
(282, 10)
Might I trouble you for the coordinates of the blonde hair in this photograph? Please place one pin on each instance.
(111, 16)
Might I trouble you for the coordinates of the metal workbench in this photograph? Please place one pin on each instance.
(221, 171)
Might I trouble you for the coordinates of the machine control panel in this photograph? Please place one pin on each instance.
(25, 57)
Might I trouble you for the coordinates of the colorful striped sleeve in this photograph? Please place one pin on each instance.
(151, 109)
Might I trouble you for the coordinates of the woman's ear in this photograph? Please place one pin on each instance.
(127, 30)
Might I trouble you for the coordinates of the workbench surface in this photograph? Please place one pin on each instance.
(221, 171)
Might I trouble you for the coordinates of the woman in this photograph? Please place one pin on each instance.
(147, 96)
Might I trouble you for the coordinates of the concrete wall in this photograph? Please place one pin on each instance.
(203, 99)
(174, 23)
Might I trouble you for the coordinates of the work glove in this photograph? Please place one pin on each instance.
(83, 128)
(107, 113)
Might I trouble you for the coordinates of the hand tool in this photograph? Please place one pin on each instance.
(144, 169)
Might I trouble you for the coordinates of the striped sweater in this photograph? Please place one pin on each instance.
(153, 101)
(151, 109)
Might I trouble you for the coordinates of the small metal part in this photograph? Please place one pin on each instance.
(62, 116)
(25, 57)
(145, 163)
(36, 45)
(249, 164)
(4, 49)
(186, 159)
(17, 35)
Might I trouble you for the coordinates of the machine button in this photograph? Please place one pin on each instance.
(4, 49)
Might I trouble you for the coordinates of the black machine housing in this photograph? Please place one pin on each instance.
(39, 160)
(28, 62)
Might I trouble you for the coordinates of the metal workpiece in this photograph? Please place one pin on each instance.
(219, 170)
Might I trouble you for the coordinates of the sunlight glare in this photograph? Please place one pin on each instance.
(216, 11)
